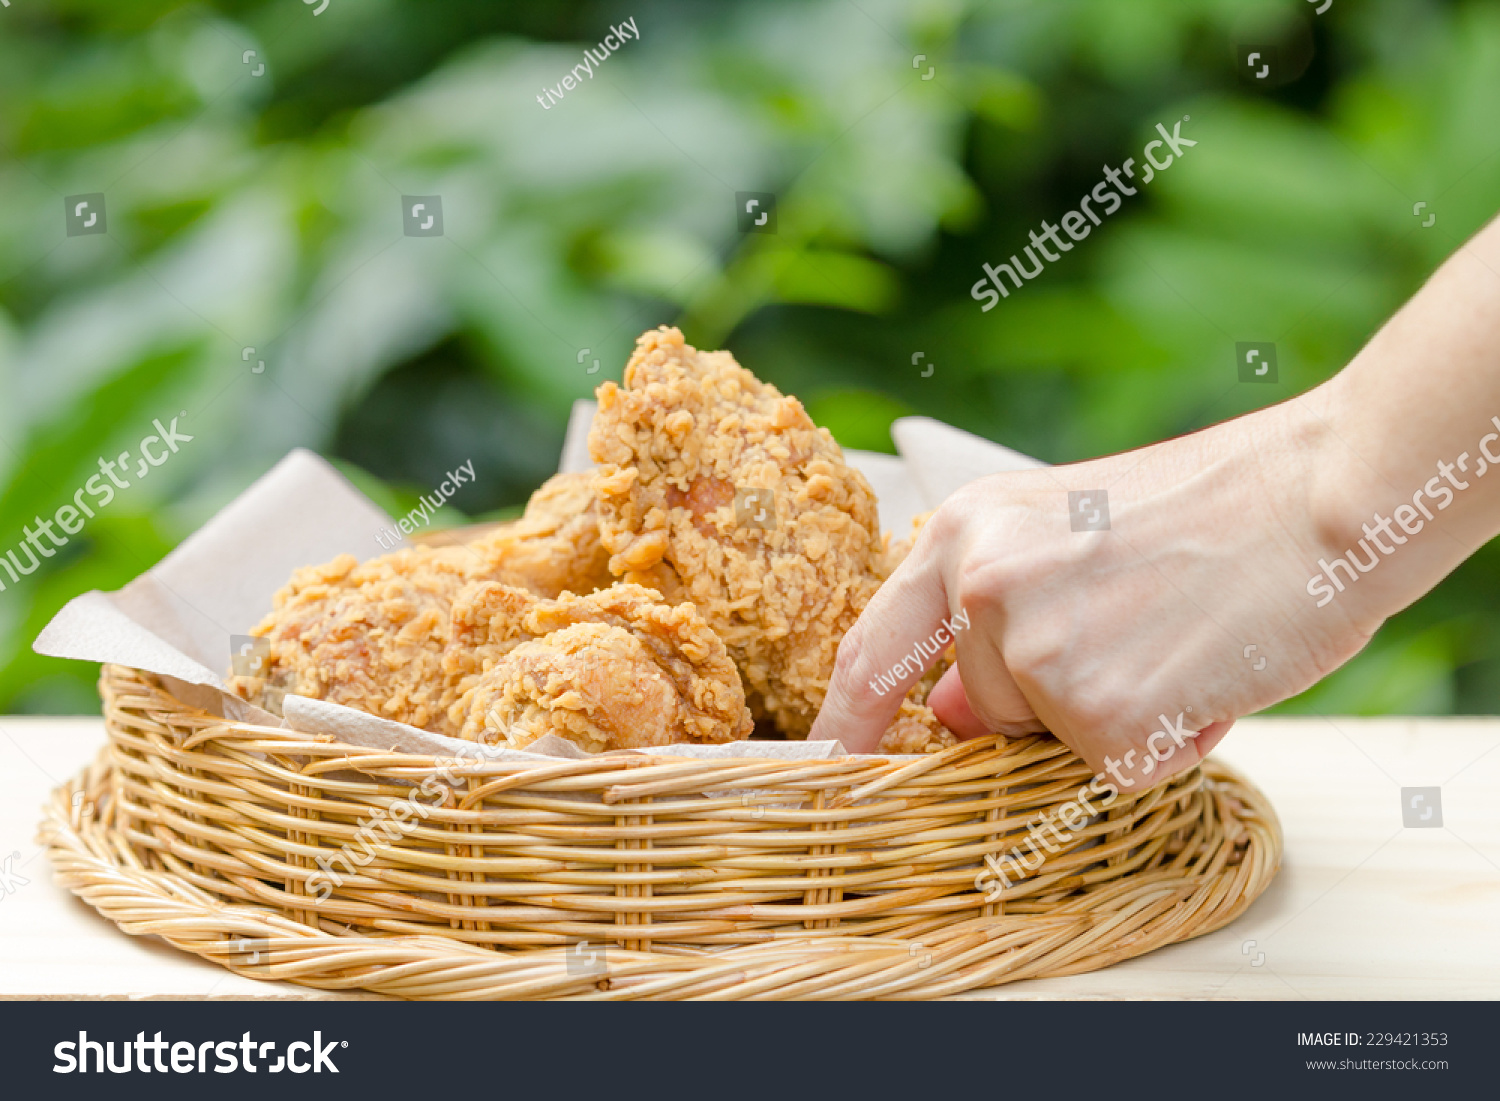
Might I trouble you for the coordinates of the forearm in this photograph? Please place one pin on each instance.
(1410, 423)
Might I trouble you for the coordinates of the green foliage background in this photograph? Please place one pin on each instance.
(264, 211)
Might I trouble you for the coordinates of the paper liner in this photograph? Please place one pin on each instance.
(176, 619)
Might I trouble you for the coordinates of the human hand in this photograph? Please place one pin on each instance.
(1137, 646)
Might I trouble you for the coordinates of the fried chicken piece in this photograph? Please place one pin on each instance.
(613, 670)
(596, 685)
(915, 729)
(716, 488)
(372, 635)
(554, 547)
(369, 635)
(897, 550)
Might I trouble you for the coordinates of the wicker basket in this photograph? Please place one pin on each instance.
(626, 876)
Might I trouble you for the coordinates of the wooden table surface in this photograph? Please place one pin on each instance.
(1364, 907)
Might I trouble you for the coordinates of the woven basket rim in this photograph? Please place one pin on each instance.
(162, 858)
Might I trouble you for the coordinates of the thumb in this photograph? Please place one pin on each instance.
(899, 636)
(950, 703)
(996, 705)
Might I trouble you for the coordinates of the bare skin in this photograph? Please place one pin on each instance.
(1215, 544)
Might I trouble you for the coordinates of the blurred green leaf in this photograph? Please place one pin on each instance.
(264, 212)
(859, 418)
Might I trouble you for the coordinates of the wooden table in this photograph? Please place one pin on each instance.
(1364, 907)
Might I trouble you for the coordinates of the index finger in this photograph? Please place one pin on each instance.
(901, 634)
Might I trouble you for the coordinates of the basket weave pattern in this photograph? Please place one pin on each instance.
(634, 876)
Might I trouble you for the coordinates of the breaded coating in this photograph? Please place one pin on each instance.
(369, 635)
(590, 668)
(594, 684)
(915, 729)
(717, 489)
(554, 547)
(897, 549)
(372, 635)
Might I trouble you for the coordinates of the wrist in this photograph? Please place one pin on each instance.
(1353, 508)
